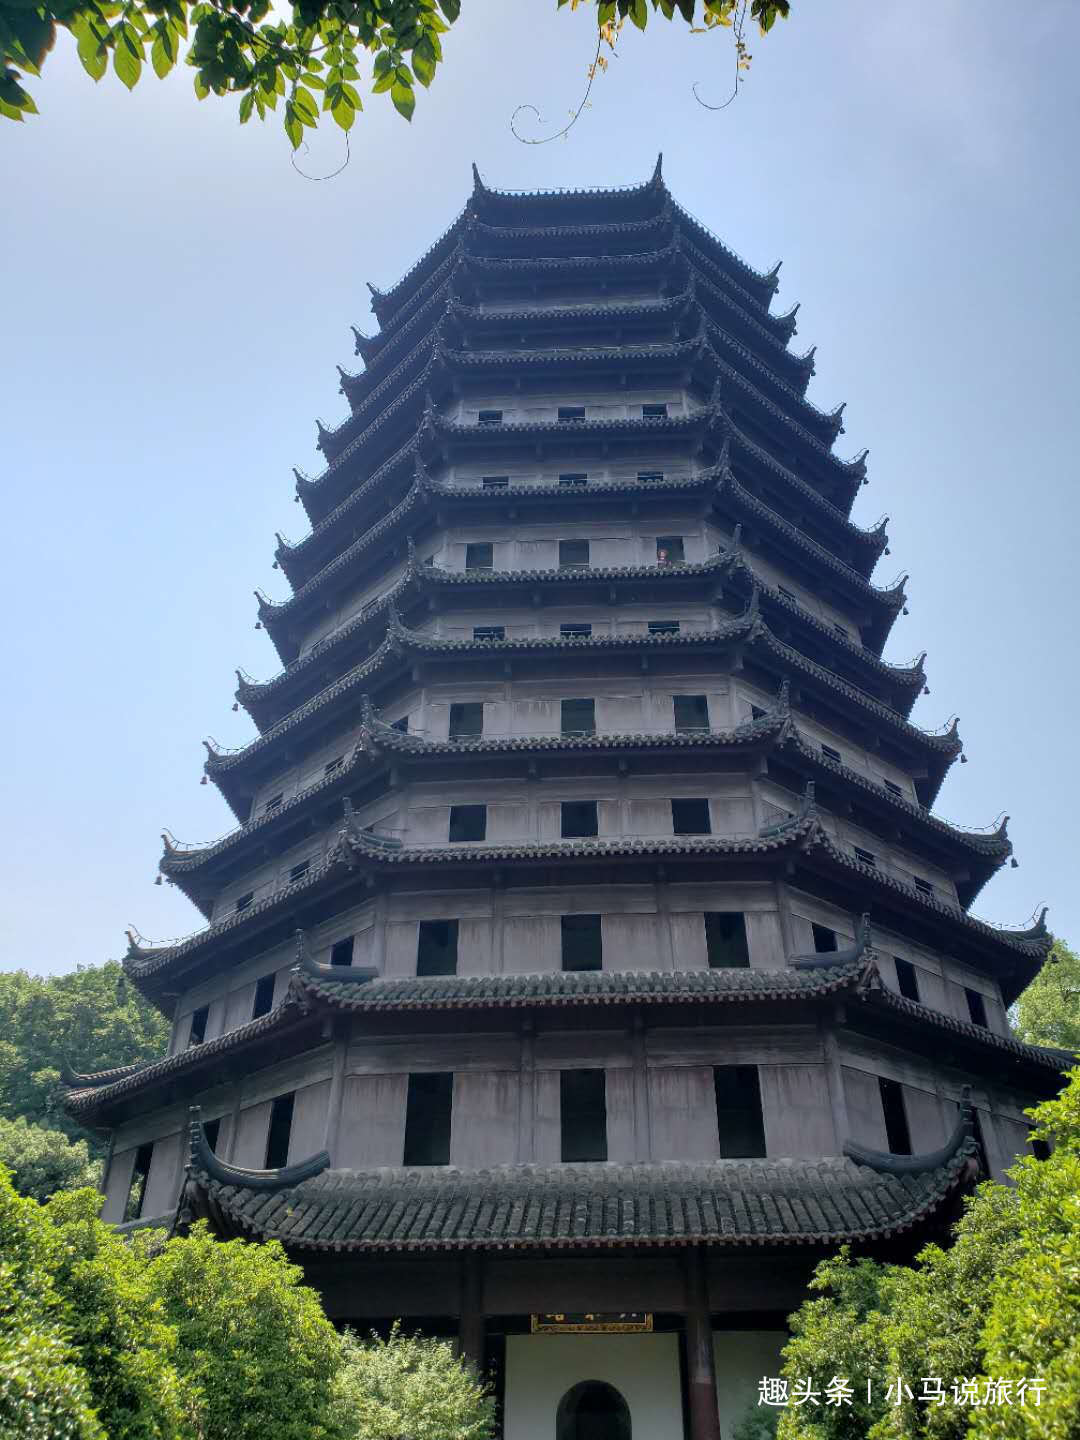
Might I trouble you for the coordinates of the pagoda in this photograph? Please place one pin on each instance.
(588, 960)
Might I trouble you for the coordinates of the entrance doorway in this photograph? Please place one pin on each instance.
(593, 1410)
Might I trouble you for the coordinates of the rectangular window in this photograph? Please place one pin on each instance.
(864, 857)
(577, 630)
(489, 632)
(212, 1129)
(663, 627)
(582, 943)
(670, 550)
(725, 940)
(279, 1132)
(428, 1109)
(923, 886)
(976, 1005)
(691, 713)
(654, 412)
(341, 952)
(479, 555)
(244, 901)
(137, 1188)
(495, 482)
(466, 719)
(199, 1017)
(690, 817)
(576, 478)
(467, 822)
(757, 713)
(571, 412)
(893, 789)
(273, 803)
(332, 765)
(646, 475)
(824, 940)
(578, 717)
(437, 947)
(897, 1134)
(264, 996)
(831, 754)
(298, 871)
(739, 1121)
(573, 554)
(579, 820)
(583, 1115)
(907, 981)
(489, 417)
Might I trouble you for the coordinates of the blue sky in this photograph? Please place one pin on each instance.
(176, 299)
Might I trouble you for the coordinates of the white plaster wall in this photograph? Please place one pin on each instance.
(643, 1368)
(742, 1357)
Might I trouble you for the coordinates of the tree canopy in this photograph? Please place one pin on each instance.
(1048, 1011)
(90, 1018)
(42, 1161)
(308, 56)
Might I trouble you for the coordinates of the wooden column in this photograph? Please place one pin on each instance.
(700, 1362)
(471, 1319)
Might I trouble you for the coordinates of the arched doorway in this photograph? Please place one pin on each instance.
(593, 1410)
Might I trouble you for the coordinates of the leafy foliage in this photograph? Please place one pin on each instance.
(409, 1385)
(1002, 1302)
(91, 1017)
(306, 55)
(1048, 1012)
(43, 1161)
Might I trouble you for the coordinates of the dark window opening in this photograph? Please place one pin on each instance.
(670, 550)
(907, 981)
(654, 412)
(401, 723)
(489, 632)
(264, 996)
(479, 555)
(198, 1025)
(864, 857)
(576, 478)
(298, 871)
(244, 901)
(489, 417)
(646, 475)
(578, 717)
(976, 1005)
(897, 1134)
(579, 820)
(273, 802)
(691, 713)
(923, 886)
(690, 817)
(467, 822)
(892, 787)
(280, 1132)
(437, 947)
(575, 630)
(831, 754)
(725, 939)
(1039, 1148)
(824, 940)
(757, 713)
(663, 627)
(573, 554)
(495, 482)
(341, 952)
(739, 1120)
(427, 1119)
(466, 719)
(212, 1129)
(593, 1410)
(137, 1189)
(583, 1115)
(571, 412)
(582, 943)
(332, 765)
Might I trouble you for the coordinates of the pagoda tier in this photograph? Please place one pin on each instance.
(627, 931)
(382, 752)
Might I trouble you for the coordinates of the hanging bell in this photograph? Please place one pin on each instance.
(963, 759)
(1014, 864)
(157, 879)
(236, 706)
(258, 623)
(925, 691)
(203, 780)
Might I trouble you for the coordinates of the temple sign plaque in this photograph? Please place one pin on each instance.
(594, 1322)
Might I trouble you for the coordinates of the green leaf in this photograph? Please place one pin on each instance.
(304, 106)
(91, 50)
(293, 128)
(404, 100)
(127, 63)
(201, 87)
(163, 54)
(639, 14)
(247, 104)
(383, 83)
(451, 9)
